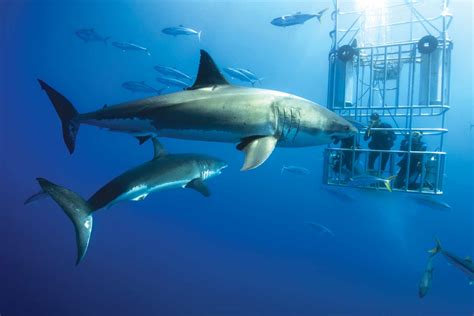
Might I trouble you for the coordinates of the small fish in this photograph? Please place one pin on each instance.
(140, 86)
(250, 75)
(425, 283)
(236, 74)
(320, 228)
(432, 203)
(173, 73)
(295, 170)
(297, 18)
(367, 180)
(181, 30)
(90, 35)
(171, 82)
(124, 46)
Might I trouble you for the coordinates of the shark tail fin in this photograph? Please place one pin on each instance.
(35, 197)
(67, 114)
(106, 39)
(436, 249)
(319, 17)
(76, 208)
(199, 35)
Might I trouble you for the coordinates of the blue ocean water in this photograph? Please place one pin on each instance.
(246, 249)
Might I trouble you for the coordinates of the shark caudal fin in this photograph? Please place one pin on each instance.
(199, 35)
(436, 249)
(67, 114)
(76, 208)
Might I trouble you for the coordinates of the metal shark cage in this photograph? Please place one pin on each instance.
(393, 60)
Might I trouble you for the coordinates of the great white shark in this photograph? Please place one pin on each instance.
(256, 120)
(164, 171)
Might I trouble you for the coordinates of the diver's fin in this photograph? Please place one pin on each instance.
(76, 209)
(142, 139)
(66, 112)
(387, 184)
(257, 149)
(199, 185)
(436, 249)
(159, 150)
(35, 197)
(468, 259)
(208, 73)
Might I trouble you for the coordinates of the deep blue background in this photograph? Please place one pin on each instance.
(244, 251)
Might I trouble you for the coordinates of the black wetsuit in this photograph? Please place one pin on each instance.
(415, 163)
(345, 156)
(380, 140)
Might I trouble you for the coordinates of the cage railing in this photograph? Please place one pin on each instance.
(408, 171)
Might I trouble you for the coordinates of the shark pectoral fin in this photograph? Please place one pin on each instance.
(468, 259)
(257, 149)
(199, 185)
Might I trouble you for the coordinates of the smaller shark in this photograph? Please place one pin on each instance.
(164, 171)
(181, 30)
(465, 265)
(425, 283)
(90, 35)
(295, 19)
(124, 46)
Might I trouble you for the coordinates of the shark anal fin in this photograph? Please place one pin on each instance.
(257, 149)
(142, 139)
(208, 73)
(199, 185)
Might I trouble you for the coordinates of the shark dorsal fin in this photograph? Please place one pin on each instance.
(208, 73)
(159, 150)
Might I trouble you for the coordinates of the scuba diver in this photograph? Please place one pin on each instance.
(379, 140)
(415, 161)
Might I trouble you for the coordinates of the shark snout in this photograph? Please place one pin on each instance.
(341, 128)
